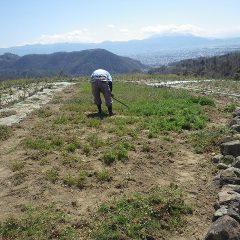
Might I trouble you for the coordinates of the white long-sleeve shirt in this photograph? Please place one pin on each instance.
(101, 75)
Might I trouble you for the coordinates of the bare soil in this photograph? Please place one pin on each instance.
(168, 160)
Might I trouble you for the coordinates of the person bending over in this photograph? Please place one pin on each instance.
(101, 81)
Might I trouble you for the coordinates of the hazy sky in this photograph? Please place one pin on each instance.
(49, 21)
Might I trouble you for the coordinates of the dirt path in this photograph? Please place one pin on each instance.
(164, 163)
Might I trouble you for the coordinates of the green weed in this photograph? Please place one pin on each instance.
(52, 175)
(229, 107)
(5, 132)
(109, 157)
(37, 144)
(95, 141)
(70, 160)
(45, 222)
(81, 179)
(69, 180)
(122, 153)
(61, 119)
(103, 176)
(45, 112)
(86, 149)
(209, 139)
(202, 100)
(78, 180)
(71, 147)
(141, 216)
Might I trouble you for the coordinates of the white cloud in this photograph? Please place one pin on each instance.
(72, 36)
(111, 26)
(114, 33)
(172, 28)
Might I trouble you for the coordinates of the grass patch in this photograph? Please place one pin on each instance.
(38, 223)
(70, 160)
(61, 119)
(5, 132)
(103, 176)
(78, 180)
(37, 144)
(95, 141)
(208, 140)
(71, 147)
(229, 107)
(52, 175)
(45, 112)
(109, 157)
(141, 216)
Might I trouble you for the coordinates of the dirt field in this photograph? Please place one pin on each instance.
(152, 162)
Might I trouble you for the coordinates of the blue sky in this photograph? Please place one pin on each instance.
(49, 21)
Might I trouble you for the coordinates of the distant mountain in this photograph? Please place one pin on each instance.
(150, 45)
(72, 63)
(224, 66)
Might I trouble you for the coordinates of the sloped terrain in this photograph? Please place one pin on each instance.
(72, 63)
(64, 161)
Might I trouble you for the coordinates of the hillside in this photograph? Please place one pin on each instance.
(224, 66)
(73, 63)
(152, 44)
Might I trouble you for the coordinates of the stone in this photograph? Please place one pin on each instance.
(235, 120)
(231, 187)
(236, 112)
(227, 180)
(236, 127)
(236, 162)
(236, 136)
(228, 197)
(225, 210)
(227, 139)
(217, 158)
(222, 166)
(228, 159)
(224, 228)
(217, 182)
(231, 148)
(230, 172)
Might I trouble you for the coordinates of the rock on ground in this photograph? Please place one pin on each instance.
(231, 148)
(225, 228)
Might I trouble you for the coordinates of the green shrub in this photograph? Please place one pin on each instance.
(109, 157)
(202, 100)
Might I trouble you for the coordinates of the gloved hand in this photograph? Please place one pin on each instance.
(110, 85)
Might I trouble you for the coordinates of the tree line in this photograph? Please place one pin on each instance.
(224, 66)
